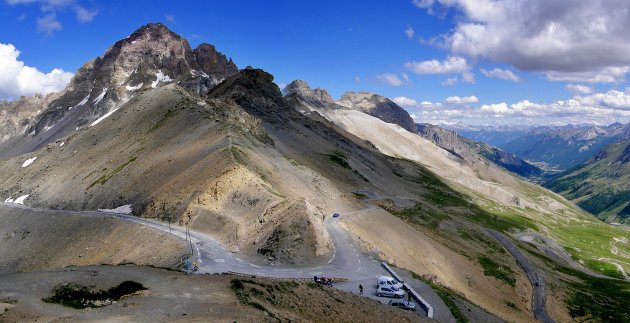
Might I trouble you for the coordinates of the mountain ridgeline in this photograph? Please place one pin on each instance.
(556, 148)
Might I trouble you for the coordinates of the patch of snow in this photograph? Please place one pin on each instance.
(204, 74)
(47, 128)
(62, 143)
(133, 41)
(160, 77)
(103, 117)
(20, 200)
(124, 209)
(201, 103)
(8, 200)
(100, 97)
(84, 101)
(28, 162)
(133, 88)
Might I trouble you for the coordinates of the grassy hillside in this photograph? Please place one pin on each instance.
(600, 185)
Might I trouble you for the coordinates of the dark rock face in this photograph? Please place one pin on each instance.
(379, 107)
(150, 57)
(213, 62)
(251, 88)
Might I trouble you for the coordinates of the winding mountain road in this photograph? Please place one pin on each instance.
(347, 261)
(539, 293)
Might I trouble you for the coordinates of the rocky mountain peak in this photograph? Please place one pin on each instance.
(152, 56)
(378, 106)
(303, 89)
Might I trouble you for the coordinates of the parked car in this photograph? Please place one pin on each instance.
(405, 305)
(322, 280)
(390, 291)
(387, 281)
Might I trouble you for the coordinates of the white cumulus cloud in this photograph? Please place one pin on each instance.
(48, 24)
(17, 79)
(599, 108)
(577, 41)
(393, 79)
(461, 100)
(85, 15)
(579, 88)
(405, 101)
(390, 79)
(451, 65)
(501, 74)
(450, 81)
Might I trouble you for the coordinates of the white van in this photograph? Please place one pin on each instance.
(387, 281)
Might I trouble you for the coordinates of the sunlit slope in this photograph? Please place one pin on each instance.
(598, 245)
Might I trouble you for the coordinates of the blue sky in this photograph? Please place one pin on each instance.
(475, 61)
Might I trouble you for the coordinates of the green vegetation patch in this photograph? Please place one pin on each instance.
(511, 305)
(593, 299)
(250, 292)
(80, 296)
(360, 196)
(492, 268)
(238, 155)
(603, 201)
(446, 295)
(339, 158)
(293, 161)
(106, 177)
(418, 214)
(169, 114)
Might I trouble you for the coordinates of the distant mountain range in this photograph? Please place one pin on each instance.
(478, 151)
(554, 147)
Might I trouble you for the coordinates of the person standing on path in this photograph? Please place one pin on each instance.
(360, 289)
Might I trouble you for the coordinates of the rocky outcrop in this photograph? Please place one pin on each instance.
(318, 97)
(15, 115)
(378, 106)
(252, 89)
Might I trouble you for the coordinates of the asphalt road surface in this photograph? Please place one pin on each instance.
(539, 294)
